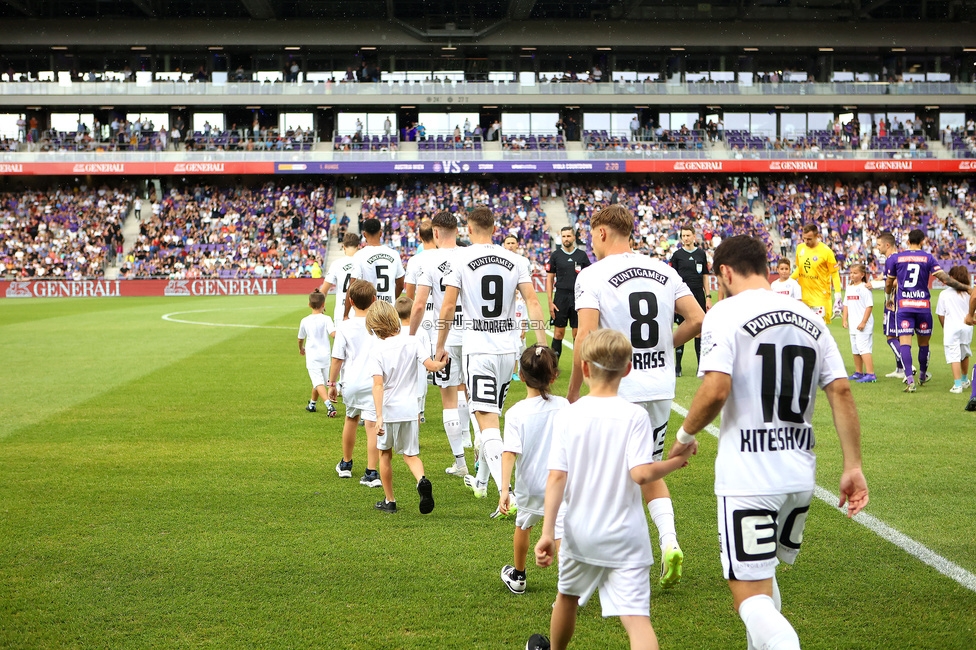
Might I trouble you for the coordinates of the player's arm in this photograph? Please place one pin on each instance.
(705, 407)
(589, 321)
(545, 549)
(378, 389)
(853, 485)
(446, 318)
(550, 287)
(325, 287)
(950, 282)
(508, 466)
(411, 289)
(650, 472)
(972, 309)
(399, 287)
(890, 292)
(689, 309)
(334, 368)
(419, 305)
(843, 315)
(534, 309)
(301, 347)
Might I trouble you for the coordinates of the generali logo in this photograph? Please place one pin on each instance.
(888, 165)
(794, 165)
(967, 165)
(177, 288)
(11, 168)
(99, 168)
(19, 290)
(198, 168)
(698, 166)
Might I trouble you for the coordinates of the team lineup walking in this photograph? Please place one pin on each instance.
(585, 464)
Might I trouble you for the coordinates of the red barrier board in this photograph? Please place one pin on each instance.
(135, 168)
(926, 165)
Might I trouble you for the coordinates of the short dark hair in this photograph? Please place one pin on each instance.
(785, 261)
(810, 227)
(688, 227)
(510, 236)
(615, 217)
(538, 368)
(316, 299)
(565, 228)
(916, 237)
(426, 232)
(350, 240)
(444, 220)
(743, 254)
(372, 226)
(886, 237)
(960, 274)
(482, 219)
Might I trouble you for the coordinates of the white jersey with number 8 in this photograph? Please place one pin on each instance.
(777, 354)
(487, 276)
(635, 295)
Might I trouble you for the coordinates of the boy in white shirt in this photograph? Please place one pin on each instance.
(314, 343)
(528, 429)
(952, 309)
(859, 313)
(606, 544)
(350, 355)
(393, 366)
(786, 285)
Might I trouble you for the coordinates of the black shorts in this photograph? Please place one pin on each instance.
(699, 294)
(565, 301)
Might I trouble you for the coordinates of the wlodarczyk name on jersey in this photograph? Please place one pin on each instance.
(634, 273)
(380, 256)
(778, 439)
(763, 322)
(478, 262)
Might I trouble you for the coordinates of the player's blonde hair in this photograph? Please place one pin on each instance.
(403, 306)
(609, 354)
(382, 320)
(615, 217)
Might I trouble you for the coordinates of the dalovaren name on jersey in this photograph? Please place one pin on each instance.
(778, 439)
(637, 272)
(478, 262)
(763, 322)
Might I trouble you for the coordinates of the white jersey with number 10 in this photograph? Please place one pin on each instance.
(635, 295)
(778, 354)
(488, 276)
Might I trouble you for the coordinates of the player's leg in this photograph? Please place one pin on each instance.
(558, 334)
(905, 348)
(513, 575)
(640, 631)
(658, 499)
(679, 350)
(449, 381)
(564, 304)
(700, 297)
(626, 592)
(386, 473)
(489, 376)
(371, 478)
(923, 330)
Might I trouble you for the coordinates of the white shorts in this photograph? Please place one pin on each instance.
(453, 373)
(958, 352)
(862, 342)
(318, 375)
(525, 519)
(367, 414)
(757, 533)
(488, 378)
(401, 437)
(624, 591)
(957, 344)
(659, 411)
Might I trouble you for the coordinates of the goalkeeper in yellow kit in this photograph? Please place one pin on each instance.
(816, 269)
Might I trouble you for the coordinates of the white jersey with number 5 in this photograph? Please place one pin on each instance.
(635, 295)
(437, 265)
(381, 267)
(778, 353)
(339, 275)
(488, 276)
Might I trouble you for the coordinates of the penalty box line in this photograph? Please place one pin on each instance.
(914, 548)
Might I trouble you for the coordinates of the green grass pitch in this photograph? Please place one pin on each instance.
(161, 485)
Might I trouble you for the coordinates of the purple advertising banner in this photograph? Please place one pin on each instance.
(450, 167)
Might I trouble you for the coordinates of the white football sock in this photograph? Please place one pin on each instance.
(452, 426)
(662, 514)
(767, 628)
(464, 417)
(491, 454)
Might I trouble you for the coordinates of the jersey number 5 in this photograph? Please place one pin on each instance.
(784, 379)
(382, 278)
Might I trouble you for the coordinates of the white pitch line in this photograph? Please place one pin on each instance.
(916, 549)
(169, 317)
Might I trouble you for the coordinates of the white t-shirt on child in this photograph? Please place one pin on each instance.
(395, 359)
(788, 287)
(352, 345)
(528, 429)
(316, 329)
(857, 299)
(597, 441)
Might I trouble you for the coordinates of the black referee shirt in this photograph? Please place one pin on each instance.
(691, 266)
(565, 266)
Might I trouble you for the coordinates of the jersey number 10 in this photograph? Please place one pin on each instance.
(783, 379)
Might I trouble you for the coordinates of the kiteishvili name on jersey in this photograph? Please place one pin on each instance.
(635, 273)
(478, 262)
(763, 322)
(778, 439)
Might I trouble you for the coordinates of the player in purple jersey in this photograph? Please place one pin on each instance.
(887, 247)
(912, 301)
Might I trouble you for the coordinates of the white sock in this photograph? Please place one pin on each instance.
(464, 417)
(777, 599)
(452, 426)
(662, 514)
(766, 628)
(491, 454)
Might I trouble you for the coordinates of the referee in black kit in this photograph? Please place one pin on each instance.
(561, 270)
(692, 265)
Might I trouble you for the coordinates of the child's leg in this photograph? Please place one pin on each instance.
(640, 631)
(372, 454)
(964, 367)
(322, 393)
(520, 547)
(315, 393)
(563, 622)
(858, 364)
(386, 473)
(415, 465)
(868, 360)
(957, 371)
(349, 437)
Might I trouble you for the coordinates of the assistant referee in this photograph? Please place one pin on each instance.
(563, 266)
(692, 265)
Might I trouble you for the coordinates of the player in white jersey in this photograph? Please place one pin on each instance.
(450, 380)
(413, 273)
(786, 285)
(379, 265)
(339, 274)
(485, 277)
(638, 296)
(763, 357)
(511, 244)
